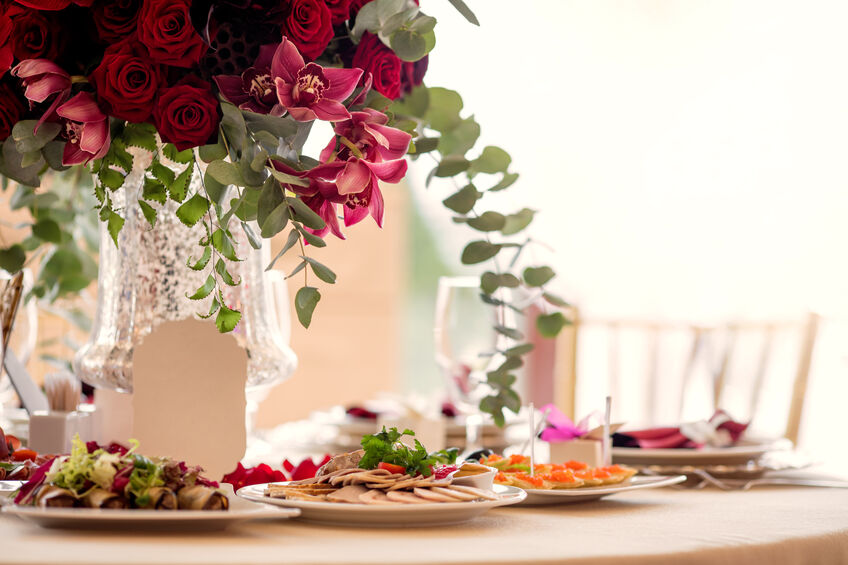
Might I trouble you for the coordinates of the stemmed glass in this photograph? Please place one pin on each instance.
(464, 329)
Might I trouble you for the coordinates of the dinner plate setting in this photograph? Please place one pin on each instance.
(240, 510)
(400, 515)
(540, 497)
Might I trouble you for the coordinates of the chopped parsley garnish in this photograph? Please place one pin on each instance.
(385, 447)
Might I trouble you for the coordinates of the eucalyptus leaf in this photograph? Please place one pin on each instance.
(492, 160)
(462, 201)
(522, 349)
(321, 271)
(511, 333)
(233, 126)
(27, 139)
(212, 152)
(555, 300)
(224, 172)
(290, 242)
(479, 251)
(487, 221)
(549, 325)
(452, 165)
(305, 301)
(518, 221)
(466, 12)
(47, 230)
(12, 258)
(538, 276)
(443, 109)
(408, 44)
(305, 215)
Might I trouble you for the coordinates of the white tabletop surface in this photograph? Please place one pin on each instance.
(773, 525)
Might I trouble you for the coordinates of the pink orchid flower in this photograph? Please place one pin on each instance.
(373, 139)
(310, 91)
(43, 79)
(86, 129)
(254, 90)
(358, 180)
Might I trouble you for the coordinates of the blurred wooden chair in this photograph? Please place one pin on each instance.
(684, 371)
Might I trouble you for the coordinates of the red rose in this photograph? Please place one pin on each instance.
(115, 19)
(35, 35)
(186, 114)
(309, 26)
(339, 10)
(374, 57)
(356, 5)
(165, 28)
(11, 110)
(412, 74)
(127, 82)
(7, 54)
(53, 5)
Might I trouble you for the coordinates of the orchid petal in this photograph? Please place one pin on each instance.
(73, 155)
(32, 67)
(342, 82)
(302, 114)
(328, 171)
(355, 178)
(397, 141)
(284, 90)
(38, 90)
(327, 152)
(354, 215)
(375, 206)
(266, 56)
(231, 87)
(286, 61)
(360, 98)
(94, 136)
(81, 108)
(389, 171)
(329, 110)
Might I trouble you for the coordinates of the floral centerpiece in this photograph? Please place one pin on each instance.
(232, 89)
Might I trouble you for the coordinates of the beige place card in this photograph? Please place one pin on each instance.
(188, 395)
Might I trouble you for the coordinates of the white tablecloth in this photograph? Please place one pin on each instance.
(774, 526)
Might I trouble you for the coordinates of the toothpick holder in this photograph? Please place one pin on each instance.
(52, 432)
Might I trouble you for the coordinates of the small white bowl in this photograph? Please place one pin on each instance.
(484, 480)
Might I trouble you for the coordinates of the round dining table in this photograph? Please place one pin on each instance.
(770, 525)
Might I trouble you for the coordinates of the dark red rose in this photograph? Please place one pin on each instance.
(340, 10)
(7, 54)
(35, 35)
(11, 110)
(115, 19)
(309, 26)
(53, 5)
(164, 26)
(186, 114)
(355, 6)
(412, 74)
(373, 57)
(127, 81)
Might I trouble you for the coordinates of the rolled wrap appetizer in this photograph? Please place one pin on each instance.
(102, 498)
(49, 496)
(198, 497)
(161, 498)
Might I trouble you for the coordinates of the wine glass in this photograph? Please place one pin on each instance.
(465, 340)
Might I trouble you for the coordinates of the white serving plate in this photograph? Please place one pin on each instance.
(734, 455)
(129, 520)
(400, 515)
(587, 494)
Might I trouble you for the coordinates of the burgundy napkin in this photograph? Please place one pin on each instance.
(674, 437)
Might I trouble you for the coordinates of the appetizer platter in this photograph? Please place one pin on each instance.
(387, 483)
(569, 482)
(115, 487)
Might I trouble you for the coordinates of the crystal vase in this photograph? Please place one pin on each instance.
(145, 280)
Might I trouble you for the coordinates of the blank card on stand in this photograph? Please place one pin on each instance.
(188, 395)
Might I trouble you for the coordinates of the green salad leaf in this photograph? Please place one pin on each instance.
(385, 447)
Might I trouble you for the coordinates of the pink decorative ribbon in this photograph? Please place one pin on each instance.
(561, 427)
